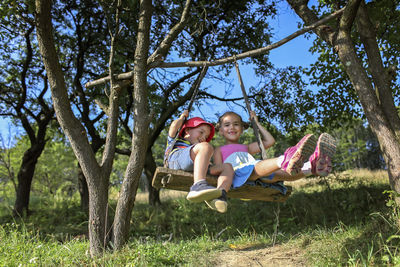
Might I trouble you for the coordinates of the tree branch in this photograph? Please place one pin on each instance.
(220, 98)
(251, 53)
(113, 109)
(327, 33)
(349, 15)
(165, 45)
(27, 62)
(69, 123)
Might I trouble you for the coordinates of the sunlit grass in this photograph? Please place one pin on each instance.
(344, 219)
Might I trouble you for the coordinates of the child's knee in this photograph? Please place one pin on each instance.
(204, 146)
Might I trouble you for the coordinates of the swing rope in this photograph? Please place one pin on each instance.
(259, 141)
(197, 86)
(189, 107)
(253, 122)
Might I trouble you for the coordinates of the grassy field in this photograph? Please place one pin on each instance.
(345, 219)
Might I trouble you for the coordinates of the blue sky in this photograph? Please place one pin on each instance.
(294, 53)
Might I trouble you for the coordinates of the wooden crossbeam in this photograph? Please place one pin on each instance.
(181, 180)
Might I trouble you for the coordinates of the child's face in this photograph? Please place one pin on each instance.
(198, 134)
(231, 128)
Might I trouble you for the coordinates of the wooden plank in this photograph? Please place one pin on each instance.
(181, 180)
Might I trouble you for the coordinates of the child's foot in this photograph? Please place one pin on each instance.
(219, 204)
(202, 191)
(321, 164)
(296, 155)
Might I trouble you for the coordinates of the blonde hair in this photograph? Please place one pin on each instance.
(245, 125)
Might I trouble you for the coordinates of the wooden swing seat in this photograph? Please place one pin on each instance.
(182, 180)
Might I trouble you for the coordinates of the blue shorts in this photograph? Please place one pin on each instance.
(243, 172)
(181, 160)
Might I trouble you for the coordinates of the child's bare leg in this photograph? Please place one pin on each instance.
(200, 190)
(225, 175)
(201, 155)
(264, 168)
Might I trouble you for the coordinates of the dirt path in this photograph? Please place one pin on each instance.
(272, 256)
(275, 256)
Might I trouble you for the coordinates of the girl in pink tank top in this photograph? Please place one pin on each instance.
(309, 157)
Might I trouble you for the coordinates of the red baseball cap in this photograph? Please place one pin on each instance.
(197, 121)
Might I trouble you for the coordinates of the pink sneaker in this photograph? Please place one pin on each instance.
(321, 163)
(296, 155)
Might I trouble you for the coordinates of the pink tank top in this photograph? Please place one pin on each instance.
(231, 148)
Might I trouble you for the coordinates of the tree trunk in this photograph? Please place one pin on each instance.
(98, 215)
(149, 168)
(97, 176)
(140, 135)
(379, 73)
(25, 176)
(29, 160)
(96, 144)
(83, 190)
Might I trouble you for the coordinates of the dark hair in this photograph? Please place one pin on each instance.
(245, 125)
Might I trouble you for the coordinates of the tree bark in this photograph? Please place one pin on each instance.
(149, 168)
(96, 144)
(83, 190)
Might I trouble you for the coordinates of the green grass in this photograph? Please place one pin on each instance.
(344, 220)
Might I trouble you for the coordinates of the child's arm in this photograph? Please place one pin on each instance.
(267, 139)
(176, 124)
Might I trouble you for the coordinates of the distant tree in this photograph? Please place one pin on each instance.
(24, 96)
(55, 167)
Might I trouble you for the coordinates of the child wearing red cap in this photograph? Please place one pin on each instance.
(192, 152)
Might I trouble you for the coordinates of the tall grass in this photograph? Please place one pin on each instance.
(343, 220)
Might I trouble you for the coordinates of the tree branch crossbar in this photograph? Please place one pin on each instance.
(251, 53)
